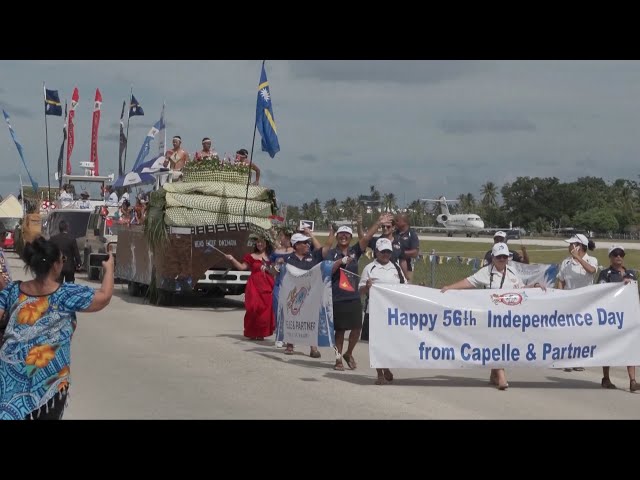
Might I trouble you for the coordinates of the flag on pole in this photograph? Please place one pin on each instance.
(162, 134)
(144, 150)
(97, 104)
(264, 117)
(34, 185)
(71, 137)
(344, 282)
(52, 105)
(134, 107)
(64, 139)
(123, 141)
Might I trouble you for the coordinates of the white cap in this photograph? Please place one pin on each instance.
(500, 249)
(500, 234)
(298, 237)
(615, 247)
(579, 238)
(345, 229)
(384, 244)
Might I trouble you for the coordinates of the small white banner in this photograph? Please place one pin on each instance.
(419, 327)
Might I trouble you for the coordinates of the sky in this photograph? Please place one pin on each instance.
(418, 129)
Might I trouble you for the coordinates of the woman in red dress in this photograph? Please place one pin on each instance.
(259, 320)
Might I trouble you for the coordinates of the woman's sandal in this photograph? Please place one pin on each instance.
(503, 386)
(381, 380)
(350, 361)
(288, 351)
(339, 366)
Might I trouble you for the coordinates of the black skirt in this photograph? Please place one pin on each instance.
(347, 315)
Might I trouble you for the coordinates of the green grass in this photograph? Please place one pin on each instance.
(454, 270)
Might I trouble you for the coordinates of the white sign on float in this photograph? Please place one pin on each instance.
(419, 327)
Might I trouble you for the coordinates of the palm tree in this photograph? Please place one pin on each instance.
(489, 193)
(389, 202)
(333, 213)
(374, 193)
(349, 207)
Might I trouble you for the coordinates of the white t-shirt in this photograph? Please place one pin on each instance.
(387, 273)
(573, 274)
(489, 277)
(125, 196)
(113, 199)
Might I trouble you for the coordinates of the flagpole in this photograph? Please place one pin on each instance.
(46, 139)
(124, 165)
(253, 142)
(61, 159)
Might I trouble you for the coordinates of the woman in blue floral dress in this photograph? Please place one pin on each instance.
(36, 350)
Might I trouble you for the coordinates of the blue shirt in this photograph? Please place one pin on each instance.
(36, 353)
(345, 293)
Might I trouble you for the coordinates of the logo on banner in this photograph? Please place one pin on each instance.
(296, 299)
(510, 299)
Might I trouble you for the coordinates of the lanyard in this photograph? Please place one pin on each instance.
(491, 277)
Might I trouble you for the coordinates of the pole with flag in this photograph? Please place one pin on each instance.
(97, 105)
(123, 141)
(34, 185)
(71, 127)
(162, 137)
(134, 110)
(144, 150)
(61, 154)
(265, 123)
(52, 106)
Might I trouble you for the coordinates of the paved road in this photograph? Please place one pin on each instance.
(135, 361)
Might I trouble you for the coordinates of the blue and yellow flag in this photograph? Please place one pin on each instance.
(135, 108)
(52, 105)
(265, 121)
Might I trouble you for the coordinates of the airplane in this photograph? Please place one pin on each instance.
(469, 223)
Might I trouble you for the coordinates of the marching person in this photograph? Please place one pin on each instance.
(259, 321)
(36, 353)
(501, 237)
(347, 307)
(578, 269)
(496, 275)
(617, 272)
(382, 270)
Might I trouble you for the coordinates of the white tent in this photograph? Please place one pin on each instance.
(10, 208)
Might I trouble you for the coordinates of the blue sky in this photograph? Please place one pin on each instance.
(415, 128)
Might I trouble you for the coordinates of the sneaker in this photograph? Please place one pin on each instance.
(633, 386)
(606, 383)
(279, 344)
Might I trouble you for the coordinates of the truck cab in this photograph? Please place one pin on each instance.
(101, 236)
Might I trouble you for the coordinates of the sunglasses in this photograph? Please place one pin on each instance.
(388, 252)
(617, 253)
(386, 226)
(501, 257)
(303, 243)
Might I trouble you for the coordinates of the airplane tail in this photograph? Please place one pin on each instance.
(444, 208)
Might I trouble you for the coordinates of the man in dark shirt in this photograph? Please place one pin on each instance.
(409, 245)
(69, 249)
(617, 272)
(501, 237)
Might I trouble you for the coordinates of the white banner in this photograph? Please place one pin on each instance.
(419, 327)
(305, 306)
(542, 273)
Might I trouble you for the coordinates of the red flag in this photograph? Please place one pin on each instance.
(71, 128)
(94, 131)
(344, 283)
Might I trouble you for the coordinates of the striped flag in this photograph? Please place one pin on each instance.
(71, 128)
(97, 104)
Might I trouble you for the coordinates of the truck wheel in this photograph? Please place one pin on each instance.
(165, 298)
(133, 289)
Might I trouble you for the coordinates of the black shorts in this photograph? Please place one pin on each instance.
(347, 315)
